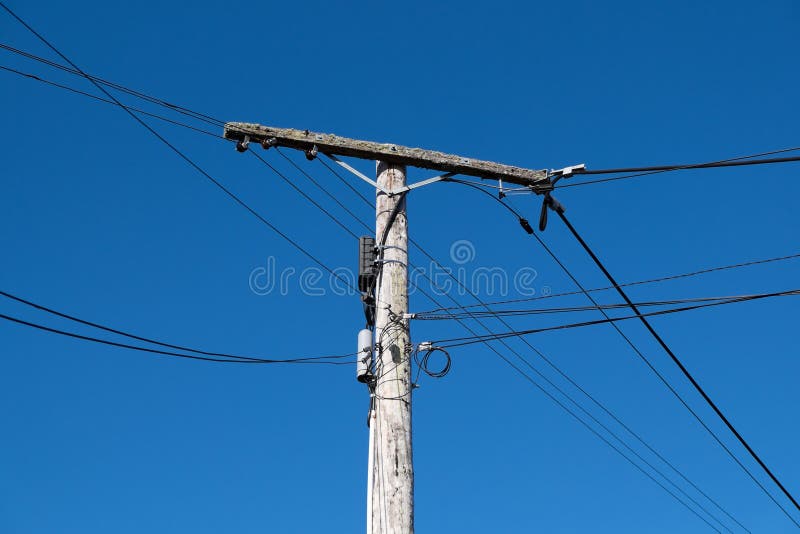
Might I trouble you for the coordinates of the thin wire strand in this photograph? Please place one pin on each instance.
(132, 92)
(123, 333)
(569, 309)
(107, 101)
(177, 151)
(680, 365)
(648, 171)
(164, 352)
(630, 284)
(561, 372)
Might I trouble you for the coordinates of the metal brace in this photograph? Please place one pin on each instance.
(393, 192)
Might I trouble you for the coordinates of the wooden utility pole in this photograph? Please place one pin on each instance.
(392, 476)
(390, 491)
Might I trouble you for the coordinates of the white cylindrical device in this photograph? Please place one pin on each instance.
(364, 356)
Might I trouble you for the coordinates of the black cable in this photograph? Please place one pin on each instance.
(138, 94)
(629, 284)
(167, 353)
(160, 343)
(107, 101)
(345, 182)
(137, 118)
(575, 416)
(176, 150)
(518, 333)
(655, 371)
(423, 363)
(564, 375)
(647, 171)
(304, 194)
(666, 383)
(677, 361)
(425, 316)
(588, 413)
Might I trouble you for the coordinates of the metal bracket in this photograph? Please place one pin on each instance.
(566, 172)
(358, 174)
(393, 192)
(423, 182)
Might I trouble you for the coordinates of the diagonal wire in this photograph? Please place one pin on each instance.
(544, 377)
(177, 151)
(680, 365)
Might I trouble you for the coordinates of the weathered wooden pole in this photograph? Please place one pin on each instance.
(392, 476)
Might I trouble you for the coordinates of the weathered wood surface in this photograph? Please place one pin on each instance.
(392, 494)
(396, 154)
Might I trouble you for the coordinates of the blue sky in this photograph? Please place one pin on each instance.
(101, 220)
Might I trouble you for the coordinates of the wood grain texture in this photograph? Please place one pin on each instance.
(395, 154)
(393, 472)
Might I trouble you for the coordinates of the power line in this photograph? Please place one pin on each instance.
(177, 151)
(123, 333)
(649, 364)
(568, 309)
(553, 385)
(647, 171)
(81, 72)
(677, 361)
(636, 283)
(572, 413)
(132, 92)
(105, 100)
(536, 370)
(518, 333)
(171, 353)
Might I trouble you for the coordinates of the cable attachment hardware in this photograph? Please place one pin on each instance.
(268, 143)
(311, 153)
(549, 202)
(566, 172)
(241, 145)
(525, 225)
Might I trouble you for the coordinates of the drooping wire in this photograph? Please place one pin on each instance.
(176, 150)
(678, 362)
(123, 333)
(237, 359)
(425, 316)
(648, 171)
(105, 100)
(424, 362)
(468, 340)
(660, 376)
(575, 416)
(629, 460)
(629, 284)
(132, 92)
(562, 392)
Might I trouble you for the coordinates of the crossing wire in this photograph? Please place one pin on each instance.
(169, 353)
(679, 363)
(647, 171)
(641, 356)
(468, 340)
(629, 284)
(132, 92)
(152, 131)
(177, 151)
(562, 392)
(124, 333)
(567, 309)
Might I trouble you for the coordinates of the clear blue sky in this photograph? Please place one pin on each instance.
(97, 218)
